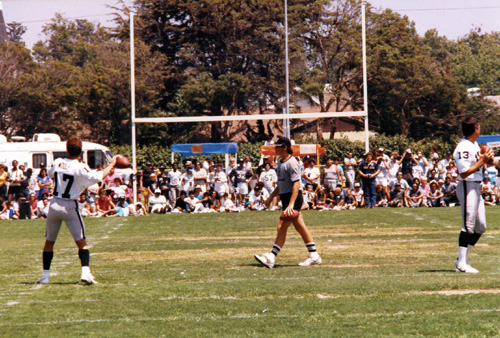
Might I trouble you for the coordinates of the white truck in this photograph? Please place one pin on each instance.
(43, 149)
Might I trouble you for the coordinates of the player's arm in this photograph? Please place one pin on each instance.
(111, 165)
(295, 192)
(483, 158)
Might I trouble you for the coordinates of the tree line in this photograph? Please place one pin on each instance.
(224, 57)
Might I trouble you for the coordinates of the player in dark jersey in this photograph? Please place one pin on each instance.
(288, 189)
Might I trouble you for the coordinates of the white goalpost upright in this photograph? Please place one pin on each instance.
(191, 119)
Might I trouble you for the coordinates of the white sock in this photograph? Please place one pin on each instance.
(462, 255)
(45, 273)
(469, 249)
(85, 269)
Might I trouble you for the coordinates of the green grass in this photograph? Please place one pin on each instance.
(384, 274)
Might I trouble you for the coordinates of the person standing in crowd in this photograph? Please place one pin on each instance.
(368, 170)
(289, 191)
(470, 163)
(174, 181)
(383, 162)
(311, 174)
(350, 170)
(71, 178)
(407, 162)
(200, 176)
(16, 175)
(220, 180)
(239, 178)
(3, 180)
(331, 174)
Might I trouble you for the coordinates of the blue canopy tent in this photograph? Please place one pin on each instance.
(490, 140)
(191, 149)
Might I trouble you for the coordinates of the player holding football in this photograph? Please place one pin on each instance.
(71, 177)
(470, 163)
(288, 189)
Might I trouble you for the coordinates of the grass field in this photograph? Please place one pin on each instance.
(385, 273)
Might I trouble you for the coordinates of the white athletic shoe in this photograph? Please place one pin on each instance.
(311, 261)
(87, 278)
(467, 268)
(43, 280)
(266, 259)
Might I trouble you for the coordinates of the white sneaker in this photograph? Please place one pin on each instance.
(87, 278)
(266, 259)
(43, 280)
(311, 261)
(467, 268)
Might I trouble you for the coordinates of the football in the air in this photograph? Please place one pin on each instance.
(122, 162)
(292, 217)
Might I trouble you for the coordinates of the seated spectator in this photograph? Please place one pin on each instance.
(320, 199)
(92, 195)
(123, 208)
(414, 196)
(488, 196)
(181, 205)
(4, 208)
(43, 207)
(310, 196)
(397, 196)
(358, 195)
(140, 210)
(382, 196)
(84, 206)
(338, 199)
(226, 205)
(449, 190)
(402, 182)
(205, 205)
(350, 201)
(435, 196)
(33, 204)
(157, 202)
(198, 192)
(105, 206)
(191, 201)
(256, 199)
(215, 200)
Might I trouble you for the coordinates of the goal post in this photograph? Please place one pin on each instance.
(248, 117)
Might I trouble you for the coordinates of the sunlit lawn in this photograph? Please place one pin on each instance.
(385, 273)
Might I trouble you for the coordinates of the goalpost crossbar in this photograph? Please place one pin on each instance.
(252, 117)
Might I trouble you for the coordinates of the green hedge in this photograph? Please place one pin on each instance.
(338, 147)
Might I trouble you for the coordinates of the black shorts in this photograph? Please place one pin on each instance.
(285, 200)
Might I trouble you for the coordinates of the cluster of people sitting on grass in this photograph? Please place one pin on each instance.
(376, 180)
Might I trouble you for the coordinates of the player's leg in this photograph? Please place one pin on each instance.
(307, 237)
(76, 227)
(469, 205)
(52, 227)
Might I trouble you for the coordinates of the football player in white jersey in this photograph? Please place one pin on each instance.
(71, 177)
(470, 163)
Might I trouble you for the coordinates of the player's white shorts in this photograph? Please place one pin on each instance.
(242, 188)
(67, 211)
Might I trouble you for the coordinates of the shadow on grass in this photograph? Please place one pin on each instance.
(441, 270)
(51, 283)
(277, 266)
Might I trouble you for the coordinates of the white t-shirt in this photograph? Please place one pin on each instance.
(466, 154)
(71, 177)
(157, 200)
(312, 172)
(256, 200)
(268, 177)
(175, 178)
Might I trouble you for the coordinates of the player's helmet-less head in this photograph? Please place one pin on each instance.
(74, 146)
(469, 126)
(284, 142)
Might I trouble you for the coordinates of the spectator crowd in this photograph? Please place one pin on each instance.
(379, 179)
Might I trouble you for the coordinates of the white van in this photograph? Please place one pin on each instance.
(45, 148)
